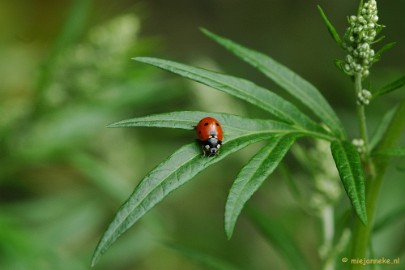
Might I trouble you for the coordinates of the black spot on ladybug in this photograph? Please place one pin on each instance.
(205, 124)
(217, 124)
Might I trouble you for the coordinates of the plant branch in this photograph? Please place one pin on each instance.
(361, 236)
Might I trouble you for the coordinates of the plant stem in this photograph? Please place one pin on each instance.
(361, 114)
(361, 235)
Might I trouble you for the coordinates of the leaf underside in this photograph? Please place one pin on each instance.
(348, 164)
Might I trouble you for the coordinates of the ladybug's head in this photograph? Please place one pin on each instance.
(211, 146)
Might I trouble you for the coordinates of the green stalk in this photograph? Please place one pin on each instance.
(362, 234)
(361, 114)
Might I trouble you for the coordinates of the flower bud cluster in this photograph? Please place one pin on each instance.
(363, 97)
(359, 36)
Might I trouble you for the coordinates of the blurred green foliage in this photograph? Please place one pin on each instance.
(66, 73)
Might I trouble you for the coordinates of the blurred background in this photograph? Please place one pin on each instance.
(66, 73)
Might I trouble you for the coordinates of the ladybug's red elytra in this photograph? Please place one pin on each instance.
(210, 135)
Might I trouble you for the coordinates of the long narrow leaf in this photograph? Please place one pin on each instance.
(287, 79)
(351, 174)
(175, 171)
(240, 88)
(398, 83)
(277, 236)
(331, 28)
(233, 125)
(252, 176)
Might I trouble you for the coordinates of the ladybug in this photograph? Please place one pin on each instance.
(210, 135)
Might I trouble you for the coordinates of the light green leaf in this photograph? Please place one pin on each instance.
(201, 258)
(395, 152)
(240, 88)
(304, 91)
(275, 233)
(331, 28)
(348, 163)
(252, 176)
(398, 83)
(172, 173)
(382, 127)
(233, 125)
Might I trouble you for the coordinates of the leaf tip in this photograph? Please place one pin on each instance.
(203, 29)
(363, 217)
(228, 232)
(94, 260)
(140, 59)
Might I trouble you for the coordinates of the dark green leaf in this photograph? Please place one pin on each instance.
(348, 163)
(251, 177)
(382, 127)
(398, 83)
(277, 236)
(240, 88)
(331, 28)
(172, 173)
(205, 260)
(233, 125)
(288, 80)
(385, 48)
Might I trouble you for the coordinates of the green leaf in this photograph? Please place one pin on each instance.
(396, 152)
(301, 89)
(277, 236)
(331, 28)
(398, 83)
(385, 48)
(240, 88)
(205, 260)
(172, 173)
(252, 176)
(348, 163)
(233, 125)
(382, 127)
